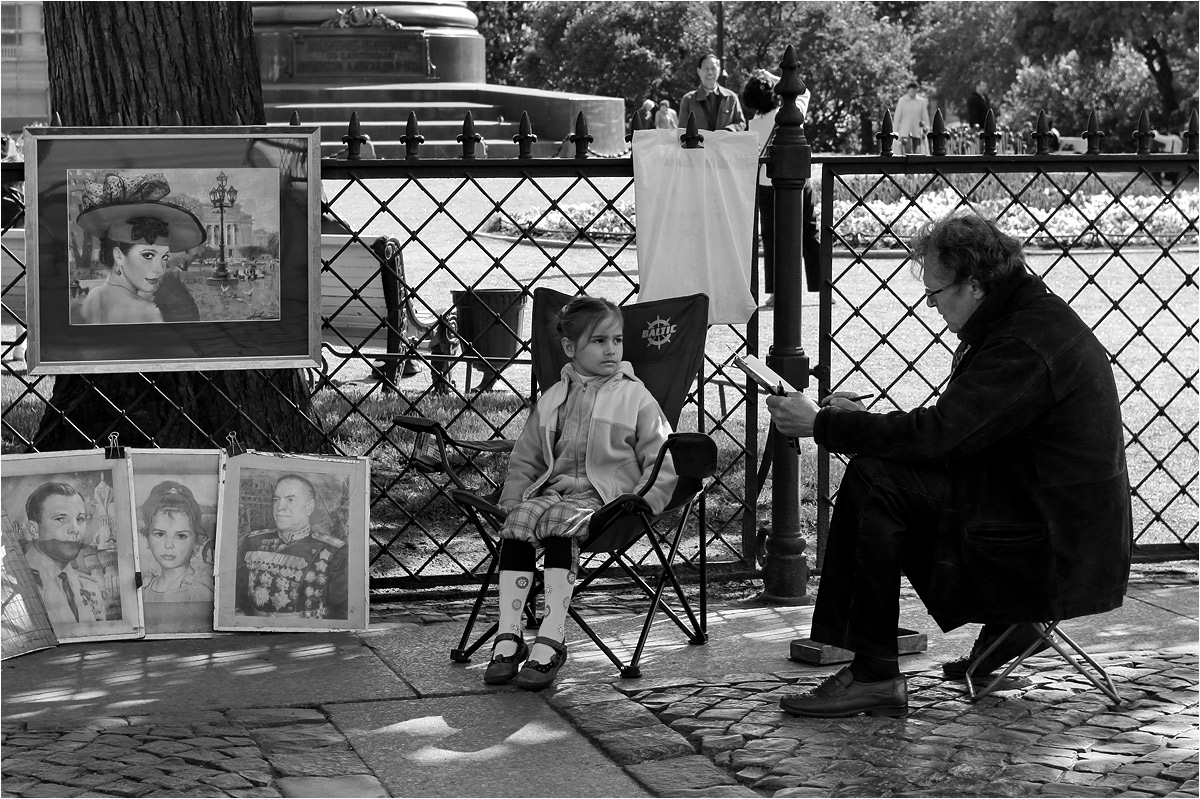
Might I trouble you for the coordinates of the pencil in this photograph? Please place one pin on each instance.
(859, 397)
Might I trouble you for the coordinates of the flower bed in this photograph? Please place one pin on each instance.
(596, 221)
(1090, 221)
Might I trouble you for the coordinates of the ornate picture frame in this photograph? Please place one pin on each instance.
(73, 515)
(292, 543)
(172, 249)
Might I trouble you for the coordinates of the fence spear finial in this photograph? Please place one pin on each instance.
(1093, 135)
(990, 135)
(412, 138)
(354, 138)
(692, 138)
(581, 138)
(468, 138)
(938, 135)
(1143, 135)
(295, 120)
(886, 135)
(525, 138)
(1041, 134)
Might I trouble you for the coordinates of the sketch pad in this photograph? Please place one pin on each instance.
(762, 374)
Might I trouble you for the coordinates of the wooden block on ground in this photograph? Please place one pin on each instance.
(806, 650)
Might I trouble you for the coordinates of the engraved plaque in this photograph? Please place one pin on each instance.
(329, 53)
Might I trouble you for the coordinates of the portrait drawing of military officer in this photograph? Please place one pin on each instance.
(298, 568)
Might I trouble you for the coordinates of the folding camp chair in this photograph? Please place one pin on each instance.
(664, 340)
(1049, 634)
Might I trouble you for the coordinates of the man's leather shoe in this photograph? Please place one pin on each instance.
(840, 696)
(1016, 643)
(504, 667)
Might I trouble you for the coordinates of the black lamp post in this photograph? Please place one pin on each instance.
(222, 197)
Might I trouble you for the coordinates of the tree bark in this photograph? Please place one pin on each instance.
(1159, 64)
(155, 63)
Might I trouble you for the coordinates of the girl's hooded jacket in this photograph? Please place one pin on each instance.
(624, 435)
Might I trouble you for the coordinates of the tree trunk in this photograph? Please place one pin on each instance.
(1159, 64)
(163, 63)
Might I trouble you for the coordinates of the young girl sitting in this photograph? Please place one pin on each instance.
(593, 436)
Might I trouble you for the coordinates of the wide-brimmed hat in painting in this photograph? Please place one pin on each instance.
(129, 210)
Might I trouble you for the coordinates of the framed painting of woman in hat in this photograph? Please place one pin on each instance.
(173, 249)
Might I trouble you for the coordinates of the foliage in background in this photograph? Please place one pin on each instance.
(1164, 36)
(957, 44)
(857, 56)
(855, 64)
(628, 50)
(1068, 91)
(506, 30)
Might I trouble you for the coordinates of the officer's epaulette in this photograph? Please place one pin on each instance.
(331, 541)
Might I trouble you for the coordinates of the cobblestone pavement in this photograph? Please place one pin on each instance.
(1050, 734)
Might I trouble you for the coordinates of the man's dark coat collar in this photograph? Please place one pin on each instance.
(1016, 291)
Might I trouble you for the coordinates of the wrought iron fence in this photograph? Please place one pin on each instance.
(405, 242)
(1113, 235)
(407, 239)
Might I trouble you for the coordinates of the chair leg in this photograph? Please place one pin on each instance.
(462, 653)
(1106, 687)
(1048, 633)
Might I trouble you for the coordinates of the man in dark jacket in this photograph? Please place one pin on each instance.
(978, 105)
(714, 106)
(1006, 501)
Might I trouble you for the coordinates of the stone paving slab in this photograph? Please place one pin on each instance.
(502, 743)
(181, 678)
(238, 753)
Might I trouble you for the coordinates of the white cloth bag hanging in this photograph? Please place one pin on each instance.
(695, 219)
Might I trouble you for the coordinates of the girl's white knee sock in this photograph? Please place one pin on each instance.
(560, 584)
(514, 588)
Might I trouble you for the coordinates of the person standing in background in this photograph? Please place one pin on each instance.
(643, 118)
(978, 105)
(762, 105)
(910, 120)
(665, 117)
(714, 106)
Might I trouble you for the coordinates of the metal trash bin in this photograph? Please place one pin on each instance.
(478, 327)
(483, 334)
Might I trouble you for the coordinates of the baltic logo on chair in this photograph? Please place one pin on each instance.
(658, 332)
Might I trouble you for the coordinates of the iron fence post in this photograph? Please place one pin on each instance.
(785, 569)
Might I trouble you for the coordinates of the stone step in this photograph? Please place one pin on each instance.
(431, 92)
(390, 111)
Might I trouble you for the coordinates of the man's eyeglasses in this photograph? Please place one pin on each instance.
(929, 295)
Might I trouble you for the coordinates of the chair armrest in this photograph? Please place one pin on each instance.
(694, 456)
(418, 424)
(485, 503)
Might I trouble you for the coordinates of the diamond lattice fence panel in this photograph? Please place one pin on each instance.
(1112, 235)
(499, 227)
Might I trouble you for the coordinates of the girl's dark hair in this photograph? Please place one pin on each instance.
(583, 314)
(758, 95)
